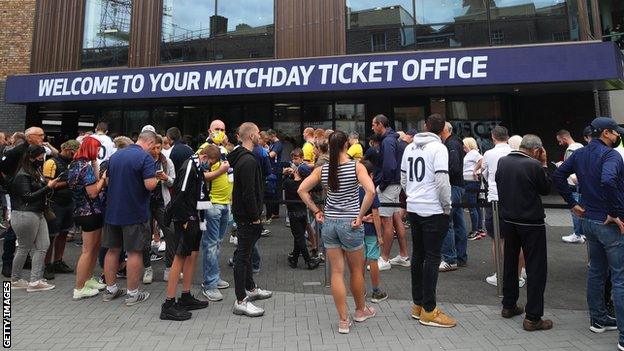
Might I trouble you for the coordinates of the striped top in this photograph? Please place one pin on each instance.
(344, 203)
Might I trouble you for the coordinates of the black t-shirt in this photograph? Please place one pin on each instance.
(180, 153)
(290, 194)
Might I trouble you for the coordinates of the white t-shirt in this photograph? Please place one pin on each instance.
(571, 148)
(470, 161)
(421, 161)
(107, 149)
(490, 165)
(166, 152)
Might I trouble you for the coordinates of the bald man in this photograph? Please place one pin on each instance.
(247, 209)
(308, 146)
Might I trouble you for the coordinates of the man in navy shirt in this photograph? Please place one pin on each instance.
(275, 157)
(131, 178)
(600, 172)
(179, 152)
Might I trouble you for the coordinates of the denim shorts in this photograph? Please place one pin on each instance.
(338, 233)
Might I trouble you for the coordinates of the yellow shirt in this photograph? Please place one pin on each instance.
(356, 151)
(220, 187)
(308, 152)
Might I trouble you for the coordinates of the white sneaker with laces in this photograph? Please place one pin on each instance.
(40, 285)
(148, 275)
(573, 239)
(19, 284)
(85, 292)
(383, 264)
(259, 294)
(212, 294)
(246, 308)
(403, 261)
(447, 267)
(162, 247)
(233, 240)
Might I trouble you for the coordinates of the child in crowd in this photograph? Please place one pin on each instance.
(373, 239)
(297, 213)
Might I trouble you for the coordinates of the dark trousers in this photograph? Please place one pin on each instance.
(9, 247)
(532, 240)
(427, 236)
(248, 235)
(298, 223)
(158, 213)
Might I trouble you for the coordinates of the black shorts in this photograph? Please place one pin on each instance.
(89, 223)
(64, 218)
(489, 223)
(185, 239)
(131, 237)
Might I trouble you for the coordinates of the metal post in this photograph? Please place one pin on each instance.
(497, 251)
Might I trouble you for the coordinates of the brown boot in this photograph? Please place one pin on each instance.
(512, 312)
(542, 324)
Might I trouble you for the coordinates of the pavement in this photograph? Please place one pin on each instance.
(302, 316)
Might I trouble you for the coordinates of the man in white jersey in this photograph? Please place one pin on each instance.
(565, 139)
(107, 147)
(489, 165)
(425, 179)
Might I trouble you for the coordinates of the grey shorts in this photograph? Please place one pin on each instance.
(132, 237)
(390, 195)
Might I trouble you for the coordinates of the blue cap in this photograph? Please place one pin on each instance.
(601, 123)
(304, 170)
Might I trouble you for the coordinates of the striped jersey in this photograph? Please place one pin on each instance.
(345, 202)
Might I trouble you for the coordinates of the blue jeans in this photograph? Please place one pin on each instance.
(576, 222)
(455, 245)
(606, 252)
(216, 225)
(476, 216)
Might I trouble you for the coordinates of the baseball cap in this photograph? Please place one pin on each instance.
(148, 127)
(601, 123)
(412, 132)
(304, 170)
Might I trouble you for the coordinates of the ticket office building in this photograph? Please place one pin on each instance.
(102, 35)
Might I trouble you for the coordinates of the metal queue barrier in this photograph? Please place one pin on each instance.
(479, 205)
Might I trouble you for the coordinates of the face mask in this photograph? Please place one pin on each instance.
(204, 166)
(618, 141)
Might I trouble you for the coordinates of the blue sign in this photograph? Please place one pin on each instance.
(589, 61)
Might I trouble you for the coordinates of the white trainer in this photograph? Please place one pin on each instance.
(403, 261)
(447, 267)
(148, 275)
(258, 294)
(492, 280)
(212, 294)
(573, 239)
(383, 264)
(85, 292)
(234, 240)
(246, 308)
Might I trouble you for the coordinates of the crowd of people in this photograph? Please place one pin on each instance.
(135, 198)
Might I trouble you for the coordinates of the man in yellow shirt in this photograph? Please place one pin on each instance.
(308, 146)
(221, 181)
(355, 151)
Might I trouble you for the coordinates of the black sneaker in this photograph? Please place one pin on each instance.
(379, 296)
(313, 263)
(174, 313)
(189, 302)
(293, 261)
(48, 272)
(6, 270)
(608, 324)
(61, 267)
(610, 309)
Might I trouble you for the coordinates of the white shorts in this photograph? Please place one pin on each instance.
(390, 195)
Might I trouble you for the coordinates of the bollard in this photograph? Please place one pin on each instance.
(497, 251)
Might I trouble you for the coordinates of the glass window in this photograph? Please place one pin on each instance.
(134, 121)
(527, 21)
(406, 118)
(287, 121)
(451, 23)
(114, 120)
(350, 118)
(200, 30)
(106, 33)
(164, 118)
(318, 116)
(379, 25)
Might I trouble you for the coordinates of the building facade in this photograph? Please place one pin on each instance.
(532, 65)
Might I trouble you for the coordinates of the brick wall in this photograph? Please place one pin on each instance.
(16, 31)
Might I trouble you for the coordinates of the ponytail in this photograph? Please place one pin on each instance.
(337, 141)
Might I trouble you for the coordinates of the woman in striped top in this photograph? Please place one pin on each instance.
(343, 234)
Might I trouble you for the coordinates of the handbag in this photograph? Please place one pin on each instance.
(48, 212)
